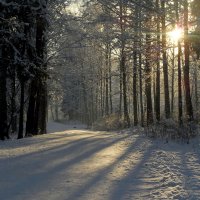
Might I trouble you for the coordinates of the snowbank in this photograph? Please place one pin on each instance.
(72, 164)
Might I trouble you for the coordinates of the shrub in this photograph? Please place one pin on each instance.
(107, 123)
(169, 129)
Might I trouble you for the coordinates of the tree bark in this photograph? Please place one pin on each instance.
(110, 81)
(21, 112)
(135, 102)
(148, 71)
(141, 93)
(189, 108)
(3, 94)
(165, 63)
(135, 68)
(180, 104)
(157, 99)
(123, 69)
(38, 87)
(107, 81)
(173, 76)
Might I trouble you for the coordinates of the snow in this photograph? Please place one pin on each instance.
(72, 163)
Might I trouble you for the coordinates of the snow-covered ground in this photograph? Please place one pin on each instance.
(72, 164)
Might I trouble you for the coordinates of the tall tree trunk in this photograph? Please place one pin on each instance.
(148, 81)
(107, 81)
(165, 63)
(135, 103)
(173, 74)
(31, 122)
(196, 91)
(120, 60)
(13, 117)
(135, 66)
(52, 112)
(38, 103)
(141, 89)
(86, 110)
(102, 97)
(110, 81)
(124, 83)
(123, 68)
(43, 108)
(21, 112)
(56, 112)
(120, 91)
(180, 104)
(157, 99)
(189, 108)
(3, 77)
(42, 53)
(140, 64)
(154, 89)
(3, 93)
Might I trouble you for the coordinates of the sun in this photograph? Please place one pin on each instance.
(176, 34)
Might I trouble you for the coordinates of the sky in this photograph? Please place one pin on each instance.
(75, 7)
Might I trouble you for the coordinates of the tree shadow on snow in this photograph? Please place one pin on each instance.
(35, 171)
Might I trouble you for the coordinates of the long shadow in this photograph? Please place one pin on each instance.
(102, 173)
(126, 183)
(129, 183)
(71, 146)
(15, 144)
(40, 178)
(36, 140)
(190, 179)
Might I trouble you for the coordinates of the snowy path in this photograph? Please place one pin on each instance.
(87, 165)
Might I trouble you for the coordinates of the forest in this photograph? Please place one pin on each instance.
(99, 99)
(114, 64)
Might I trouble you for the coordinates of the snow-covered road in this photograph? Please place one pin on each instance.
(88, 165)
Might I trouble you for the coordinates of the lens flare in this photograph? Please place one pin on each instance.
(176, 34)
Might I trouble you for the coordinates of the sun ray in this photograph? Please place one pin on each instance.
(176, 34)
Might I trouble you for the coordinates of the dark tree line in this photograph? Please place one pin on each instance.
(23, 70)
(114, 59)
